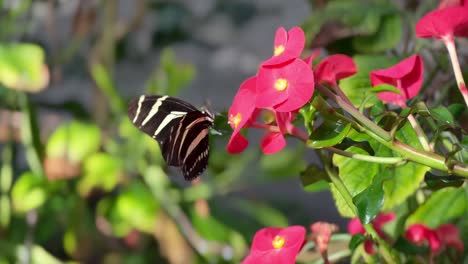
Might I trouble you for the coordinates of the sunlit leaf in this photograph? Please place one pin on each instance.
(74, 141)
(28, 192)
(22, 67)
(100, 170)
(441, 207)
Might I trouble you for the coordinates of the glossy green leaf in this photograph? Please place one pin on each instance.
(369, 202)
(441, 207)
(100, 170)
(314, 179)
(356, 240)
(443, 115)
(75, 141)
(329, 133)
(385, 88)
(456, 110)
(28, 192)
(387, 36)
(22, 67)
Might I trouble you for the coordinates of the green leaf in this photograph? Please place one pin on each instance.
(308, 113)
(100, 170)
(386, 37)
(358, 87)
(28, 192)
(75, 141)
(5, 211)
(356, 175)
(37, 254)
(400, 181)
(356, 240)
(443, 115)
(22, 67)
(135, 208)
(385, 88)
(288, 162)
(340, 202)
(329, 133)
(456, 110)
(314, 179)
(441, 207)
(369, 202)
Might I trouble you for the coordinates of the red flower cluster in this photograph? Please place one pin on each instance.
(355, 227)
(443, 236)
(283, 84)
(276, 245)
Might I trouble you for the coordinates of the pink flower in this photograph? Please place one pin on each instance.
(240, 113)
(274, 141)
(276, 245)
(449, 3)
(285, 88)
(407, 76)
(287, 46)
(355, 227)
(334, 68)
(321, 233)
(444, 23)
(442, 236)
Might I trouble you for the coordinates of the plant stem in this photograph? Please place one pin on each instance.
(426, 158)
(450, 44)
(368, 158)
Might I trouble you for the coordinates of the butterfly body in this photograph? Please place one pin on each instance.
(180, 129)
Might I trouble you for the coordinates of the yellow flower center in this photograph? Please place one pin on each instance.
(278, 50)
(281, 84)
(278, 242)
(235, 120)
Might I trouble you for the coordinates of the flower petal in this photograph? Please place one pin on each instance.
(237, 143)
(293, 46)
(444, 23)
(355, 227)
(407, 76)
(273, 142)
(334, 68)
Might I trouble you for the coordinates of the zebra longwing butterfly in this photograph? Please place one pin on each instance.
(180, 129)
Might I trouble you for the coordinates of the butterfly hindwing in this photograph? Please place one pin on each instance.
(180, 129)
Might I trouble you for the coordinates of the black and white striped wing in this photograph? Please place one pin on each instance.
(180, 129)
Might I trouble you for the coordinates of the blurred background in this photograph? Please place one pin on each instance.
(80, 183)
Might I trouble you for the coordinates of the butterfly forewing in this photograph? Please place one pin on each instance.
(180, 129)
